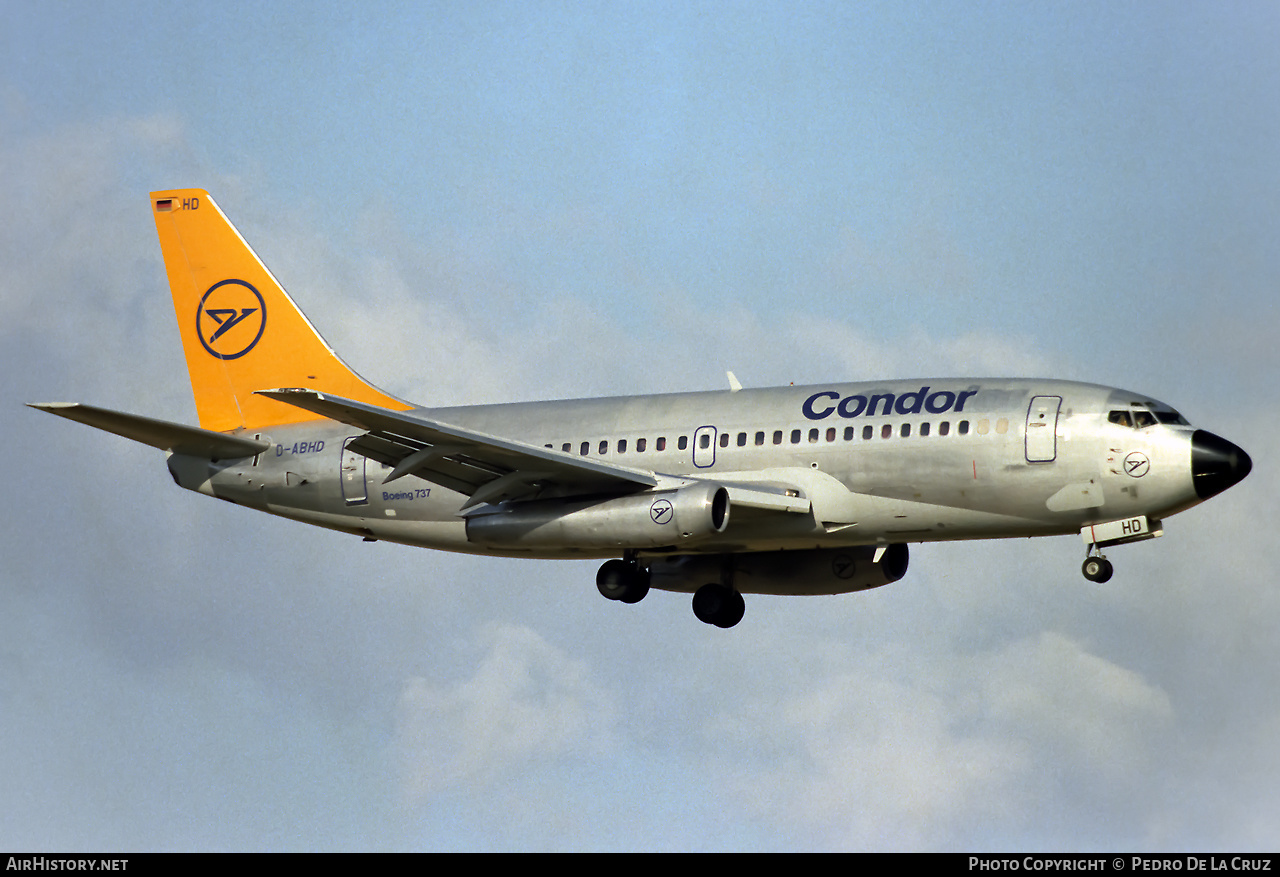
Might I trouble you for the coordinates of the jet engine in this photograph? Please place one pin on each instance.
(814, 571)
(654, 519)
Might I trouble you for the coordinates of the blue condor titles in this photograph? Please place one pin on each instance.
(822, 404)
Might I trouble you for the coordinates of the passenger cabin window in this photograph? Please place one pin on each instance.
(622, 446)
(661, 443)
(777, 436)
(683, 442)
(640, 446)
(760, 438)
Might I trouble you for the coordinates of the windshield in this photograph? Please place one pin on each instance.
(1137, 417)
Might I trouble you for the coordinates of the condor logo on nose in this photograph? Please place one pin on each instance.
(821, 404)
(230, 319)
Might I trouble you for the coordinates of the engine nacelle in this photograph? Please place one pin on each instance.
(644, 520)
(813, 571)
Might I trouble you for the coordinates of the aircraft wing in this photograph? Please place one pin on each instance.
(487, 468)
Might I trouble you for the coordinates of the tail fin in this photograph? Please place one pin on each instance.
(240, 330)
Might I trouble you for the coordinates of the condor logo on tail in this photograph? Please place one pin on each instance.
(230, 319)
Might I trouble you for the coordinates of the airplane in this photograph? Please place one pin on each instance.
(790, 490)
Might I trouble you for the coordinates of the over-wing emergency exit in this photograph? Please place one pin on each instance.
(793, 490)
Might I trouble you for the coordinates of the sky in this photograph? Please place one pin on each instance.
(515, 201)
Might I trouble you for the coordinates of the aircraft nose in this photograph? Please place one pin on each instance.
(1216, 464)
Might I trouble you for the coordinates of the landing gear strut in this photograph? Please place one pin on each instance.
(623, 580)
(1097, 568)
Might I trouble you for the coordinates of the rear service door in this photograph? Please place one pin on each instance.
(352, 475)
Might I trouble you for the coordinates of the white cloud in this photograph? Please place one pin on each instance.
(1100, 717)
(879, 764)
(527, 703)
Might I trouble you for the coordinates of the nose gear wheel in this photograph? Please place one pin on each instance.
(1097, 569)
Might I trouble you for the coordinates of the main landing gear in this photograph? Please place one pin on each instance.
(623, 580)
(720, 605)
(1097, 568)
(626, 580)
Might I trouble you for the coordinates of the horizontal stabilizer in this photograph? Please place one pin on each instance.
(162, 434)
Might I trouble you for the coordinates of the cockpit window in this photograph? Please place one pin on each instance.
(1141, 418)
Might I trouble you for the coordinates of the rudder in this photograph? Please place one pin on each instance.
(241, 332)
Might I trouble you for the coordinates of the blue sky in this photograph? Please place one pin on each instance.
(533, 200)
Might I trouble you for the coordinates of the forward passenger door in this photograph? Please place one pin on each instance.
(1042, 429)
